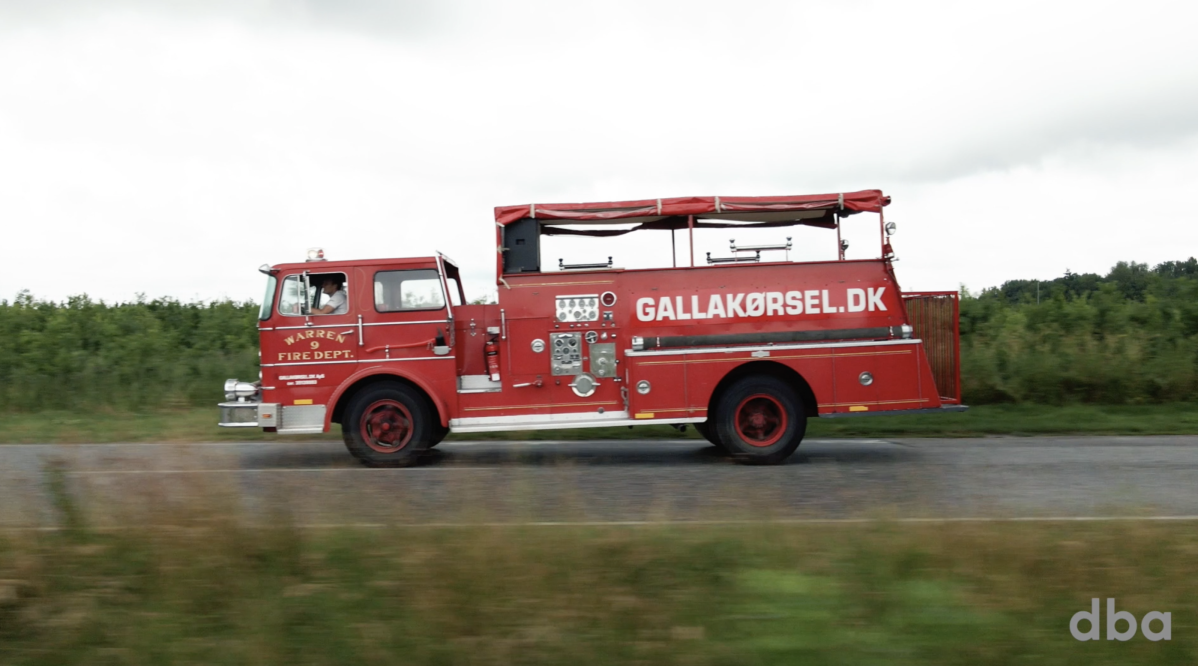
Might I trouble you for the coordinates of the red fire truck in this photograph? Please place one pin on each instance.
(746, 346)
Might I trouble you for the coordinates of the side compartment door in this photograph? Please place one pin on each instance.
(854, 372)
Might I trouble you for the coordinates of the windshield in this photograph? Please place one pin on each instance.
(268, 300)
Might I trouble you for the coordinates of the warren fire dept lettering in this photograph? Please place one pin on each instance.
(312, 339)
(758, 304)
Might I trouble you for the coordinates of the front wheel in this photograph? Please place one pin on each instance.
(760, 420)
(387, 425)
(707, 429)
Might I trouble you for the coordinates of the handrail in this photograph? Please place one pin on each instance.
(573, 267)
(424, 343)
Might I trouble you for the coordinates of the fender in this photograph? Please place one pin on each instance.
(438, 403)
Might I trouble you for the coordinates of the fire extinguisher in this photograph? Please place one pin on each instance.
(491, 350)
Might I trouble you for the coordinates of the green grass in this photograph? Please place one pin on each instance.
(213, 592)
(199, 425)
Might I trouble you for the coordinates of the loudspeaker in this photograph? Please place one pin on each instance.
(522, 246)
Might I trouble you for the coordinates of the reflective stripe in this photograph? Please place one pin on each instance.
(748, 348)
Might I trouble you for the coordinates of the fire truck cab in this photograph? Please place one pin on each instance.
(746, 346)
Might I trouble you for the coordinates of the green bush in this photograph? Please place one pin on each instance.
(128, 356)
(1125, 338)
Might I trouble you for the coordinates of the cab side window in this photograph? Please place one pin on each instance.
(403, 291)
(314, 295)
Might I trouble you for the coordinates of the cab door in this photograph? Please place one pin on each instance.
(405, 314)
(307, 355)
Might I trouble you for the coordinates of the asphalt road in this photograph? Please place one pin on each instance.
(318, 483)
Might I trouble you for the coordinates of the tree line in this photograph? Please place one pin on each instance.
(1130, 336)
(86, 354)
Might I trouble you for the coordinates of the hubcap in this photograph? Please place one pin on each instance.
(387, 426)
(760, 420)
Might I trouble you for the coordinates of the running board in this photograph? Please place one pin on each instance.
(557, 422)
(947, 409)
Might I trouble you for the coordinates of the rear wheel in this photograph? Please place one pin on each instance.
(439, 434)
(387, 425)
(707, 429)
(760, 421)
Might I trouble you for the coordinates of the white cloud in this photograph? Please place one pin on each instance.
(171, 151)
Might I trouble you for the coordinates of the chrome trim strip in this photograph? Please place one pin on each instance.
(364, 360)
(382, 323)
(751, 348)
(405, 323)
(291, 328)
(303, 430)
(568, 417)
(556, 425)
(410, 358)
(279, 365)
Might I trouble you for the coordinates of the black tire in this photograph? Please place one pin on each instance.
(388, 425)
(705, 428)
(760, 420)
(441, 432)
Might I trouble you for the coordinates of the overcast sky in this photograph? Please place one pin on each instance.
(170, 148)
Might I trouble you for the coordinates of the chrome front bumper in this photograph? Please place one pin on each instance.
(249, 415)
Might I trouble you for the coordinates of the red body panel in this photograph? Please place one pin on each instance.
(654, 344)
(738, 300)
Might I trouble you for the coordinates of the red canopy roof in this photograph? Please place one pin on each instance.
(815, 209)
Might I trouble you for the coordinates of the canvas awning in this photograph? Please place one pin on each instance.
(820, 210)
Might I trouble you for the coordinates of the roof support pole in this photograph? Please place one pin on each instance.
(690, 225)
(673, 249)
(839, 244)
(882, 231)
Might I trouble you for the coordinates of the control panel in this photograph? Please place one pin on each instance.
(566, 349)
(578, 308)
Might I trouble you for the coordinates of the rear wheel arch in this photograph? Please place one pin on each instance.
(774, 369)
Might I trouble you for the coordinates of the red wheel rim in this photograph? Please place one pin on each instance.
(760, 420)
(386, 426)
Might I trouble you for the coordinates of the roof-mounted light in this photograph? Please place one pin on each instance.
(315, 254)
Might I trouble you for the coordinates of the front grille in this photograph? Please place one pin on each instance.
(309, 418)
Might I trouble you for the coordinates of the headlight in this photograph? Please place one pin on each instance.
(235, 389)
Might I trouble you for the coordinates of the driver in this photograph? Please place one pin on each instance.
(337, 303)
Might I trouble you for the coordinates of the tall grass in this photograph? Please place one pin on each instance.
(217, 592)
(1128, 337)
